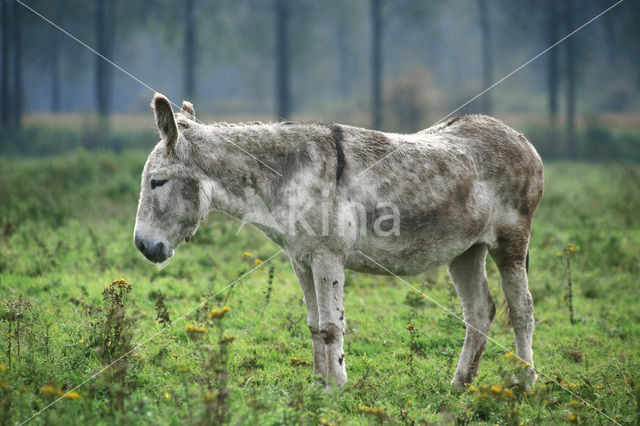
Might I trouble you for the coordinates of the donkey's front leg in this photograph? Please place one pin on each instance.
(305, 277)
(328, 275)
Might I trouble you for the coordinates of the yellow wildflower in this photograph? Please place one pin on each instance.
(472, 389)
(71, 395)
(572, 249)
(194, 330)
(508, 355)
(572, 418)
(371, 410)
(496, 388)
(573, 402)
(167, 395)
(3, 369)
(298, 361)
(118, 283)
(558, 254)
(219, 313)
(410, 327)
(50, 390)
(247, 254)
(258, 262)
(509, 392)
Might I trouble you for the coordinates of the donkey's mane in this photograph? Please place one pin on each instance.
(447, 124)
(245, 124)
(225, 124)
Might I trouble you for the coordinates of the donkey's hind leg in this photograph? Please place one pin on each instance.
(470, 279)
(510, 255)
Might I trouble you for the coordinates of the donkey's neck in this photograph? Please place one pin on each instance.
(249, 167)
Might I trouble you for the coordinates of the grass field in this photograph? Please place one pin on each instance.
(66, 234)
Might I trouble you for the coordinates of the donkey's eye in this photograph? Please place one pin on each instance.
(157, 182)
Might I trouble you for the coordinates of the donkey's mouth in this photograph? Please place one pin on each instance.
(155, 251)
(158, 254)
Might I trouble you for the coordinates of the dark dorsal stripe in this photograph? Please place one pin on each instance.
(337, 136)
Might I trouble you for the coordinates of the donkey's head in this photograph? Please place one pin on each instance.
(172, 199)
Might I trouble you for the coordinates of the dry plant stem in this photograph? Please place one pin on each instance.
(570, 297)
(9, 346)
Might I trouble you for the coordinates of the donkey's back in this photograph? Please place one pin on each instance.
(468, 181)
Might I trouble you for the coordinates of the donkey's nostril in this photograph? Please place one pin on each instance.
(154, 251)
(140, 245)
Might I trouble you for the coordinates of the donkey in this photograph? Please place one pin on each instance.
(451, 194)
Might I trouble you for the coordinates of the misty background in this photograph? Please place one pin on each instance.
(393, 65)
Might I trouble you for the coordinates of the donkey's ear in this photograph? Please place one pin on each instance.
(188, 110)
(165, 121)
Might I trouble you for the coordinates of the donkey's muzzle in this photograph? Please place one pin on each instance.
(155, 252)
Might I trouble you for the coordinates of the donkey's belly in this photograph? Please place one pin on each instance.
(417, 248)
(403, 262)
(383, 264)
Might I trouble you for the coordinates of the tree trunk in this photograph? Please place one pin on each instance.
(55, 73)
(342, 23)
(553, 24)
(376, 62)
(571, 79)
(6, 108)
(189, 51)
(16, 106)
(283, 94)
(487, 56)
(105, 34)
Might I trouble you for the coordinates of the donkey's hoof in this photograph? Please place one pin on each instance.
(460, 382)
(319, 380)
(530, 377)
(525, 381)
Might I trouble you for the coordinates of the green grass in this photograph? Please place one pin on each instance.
(66, 232)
